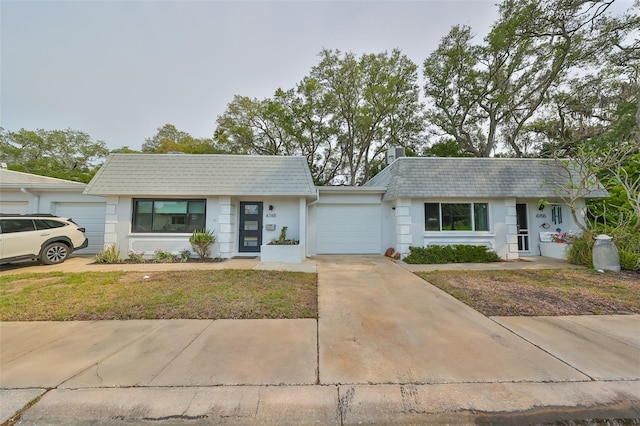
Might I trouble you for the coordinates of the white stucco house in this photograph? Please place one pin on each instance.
(155, 201)
(24, 193)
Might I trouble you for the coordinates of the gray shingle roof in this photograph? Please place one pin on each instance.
(435, 177)
(11, 178)
(202, 174)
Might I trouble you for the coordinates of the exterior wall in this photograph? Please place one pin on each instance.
(542, 220)
(44, 202)
(410, 220)
(222, 217)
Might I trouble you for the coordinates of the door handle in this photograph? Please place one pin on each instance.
(46, 234)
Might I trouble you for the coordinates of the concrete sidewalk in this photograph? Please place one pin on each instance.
(387, 348)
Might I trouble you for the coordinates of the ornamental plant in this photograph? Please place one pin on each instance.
(561, 237)
(201, 241)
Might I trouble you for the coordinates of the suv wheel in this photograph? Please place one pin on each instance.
(54, 253)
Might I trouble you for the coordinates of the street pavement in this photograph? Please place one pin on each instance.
(387, 348)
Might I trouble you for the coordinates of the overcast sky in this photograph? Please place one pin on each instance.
(118, 70)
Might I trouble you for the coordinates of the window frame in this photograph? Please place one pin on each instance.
(473, 216)
(184, 217)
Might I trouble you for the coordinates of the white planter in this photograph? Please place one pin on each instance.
(285, 254)
(554, 250)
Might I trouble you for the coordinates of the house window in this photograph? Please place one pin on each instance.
(456, 217)
(183, 216)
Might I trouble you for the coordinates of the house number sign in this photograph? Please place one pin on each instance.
(541, 215)
(270, 215)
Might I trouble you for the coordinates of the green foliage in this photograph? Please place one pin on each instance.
(283, 240)
(497, 89)
(626, 240)
(170, 139)
(201, 241)
(342, 116)
(459, 253)
(110, 254)
(162, 256)
(185, 255)
(63, 154)
(283, 234)
(136, 257)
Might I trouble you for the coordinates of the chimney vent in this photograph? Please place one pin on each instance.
(393, 153)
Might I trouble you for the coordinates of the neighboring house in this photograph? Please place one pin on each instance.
(488, 201)
(155, 201)
(23, 193)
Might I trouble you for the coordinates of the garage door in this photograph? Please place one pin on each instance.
(14, 207)
(90, 216)
(348, 229)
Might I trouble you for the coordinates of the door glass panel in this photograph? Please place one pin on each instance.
(250, 241)
(251, 209)
(250, 225)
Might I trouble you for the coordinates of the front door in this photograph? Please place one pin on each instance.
(523, 228)
(250, 227)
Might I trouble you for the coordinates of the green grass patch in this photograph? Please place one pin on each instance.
(122, 295)
(541, 292)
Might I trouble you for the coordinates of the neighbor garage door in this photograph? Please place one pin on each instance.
(348, 229)
(90, 216)
(14, 207)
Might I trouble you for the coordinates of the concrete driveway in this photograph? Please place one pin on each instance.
(388, 347)
(382, 324)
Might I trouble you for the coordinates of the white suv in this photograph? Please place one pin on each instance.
(44, 237)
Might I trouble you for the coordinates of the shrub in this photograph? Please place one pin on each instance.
(110, 254)
(164, 257)
(201, 241)
(185, 255)
(459, 253)
(136, 257)
(627, 242)
(283, 240)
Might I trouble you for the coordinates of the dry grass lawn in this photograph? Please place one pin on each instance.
(162, 295)
(541, 292)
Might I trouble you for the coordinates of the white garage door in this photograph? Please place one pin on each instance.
(348, 229)
(14, 207)
(90, 216)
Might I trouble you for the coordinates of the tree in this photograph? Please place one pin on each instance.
(170, 139)
(481, 94)
(64, 154)
(341, 117)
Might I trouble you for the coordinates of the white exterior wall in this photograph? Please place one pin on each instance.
(44, 202)
(542, 221)
(497, 238)
(222, 217)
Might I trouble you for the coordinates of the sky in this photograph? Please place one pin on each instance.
(119, 70)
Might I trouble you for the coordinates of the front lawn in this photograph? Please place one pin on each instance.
(541, 292)
(158, 295)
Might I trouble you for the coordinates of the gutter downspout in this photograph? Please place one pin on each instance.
(26, 191)
(307, 220)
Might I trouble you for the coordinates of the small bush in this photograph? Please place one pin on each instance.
(110, 254)
(628, 244)
(459, 253)
(164, 257)
(283, 240)
(185, 255)
(136, 257)
(201, 241)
